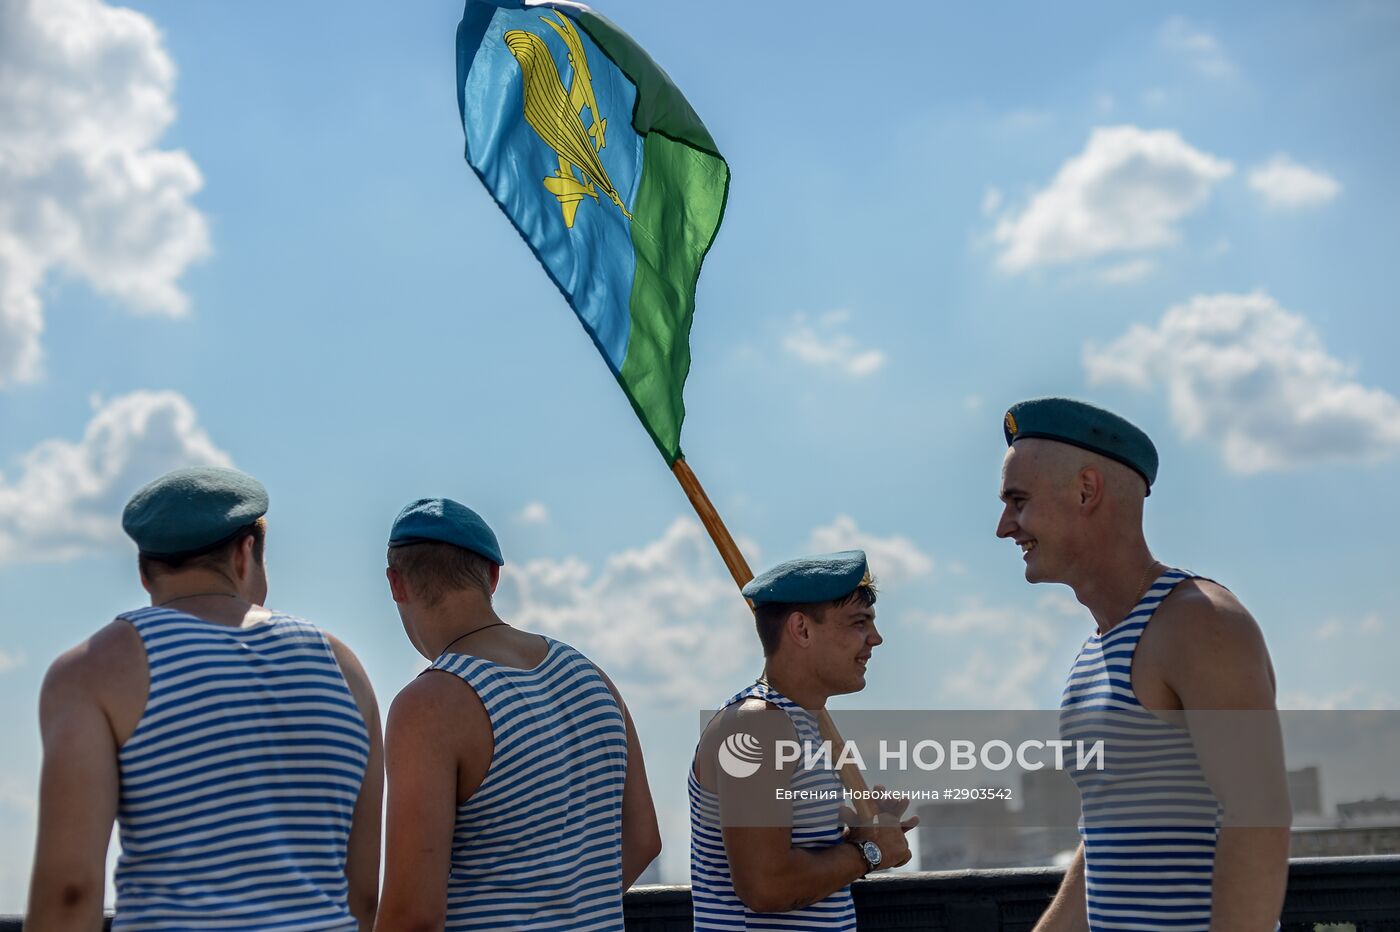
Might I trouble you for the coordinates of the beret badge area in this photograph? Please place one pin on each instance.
(1011, 427)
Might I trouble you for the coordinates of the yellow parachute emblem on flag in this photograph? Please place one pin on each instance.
(556, 115)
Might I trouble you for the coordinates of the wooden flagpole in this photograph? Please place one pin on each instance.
(729, 551)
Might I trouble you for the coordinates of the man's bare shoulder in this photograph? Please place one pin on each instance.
(351, 668)
(1209, 649)
(1202, 615)
(109, 656)
(753, 716)
(429, 700)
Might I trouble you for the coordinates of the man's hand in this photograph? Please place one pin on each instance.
(888, 830)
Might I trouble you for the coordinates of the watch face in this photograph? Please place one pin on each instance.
(872, 853)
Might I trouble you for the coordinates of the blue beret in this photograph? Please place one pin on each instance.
(820, 578)
(192, 510)
(446, 521)
(1083, 425)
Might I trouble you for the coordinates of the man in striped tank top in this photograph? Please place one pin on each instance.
(1169, 837)
(767, 845)
(237, 748)
(518, 798)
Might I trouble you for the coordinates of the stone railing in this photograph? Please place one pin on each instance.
(1363, 893)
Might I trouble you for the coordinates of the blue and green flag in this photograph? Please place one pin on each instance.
(607, 173)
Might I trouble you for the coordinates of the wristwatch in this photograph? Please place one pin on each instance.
(870, 852)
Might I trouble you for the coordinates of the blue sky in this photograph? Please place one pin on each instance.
(245, 233)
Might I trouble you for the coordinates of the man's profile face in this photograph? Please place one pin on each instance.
(842, 642)
(1038, 512)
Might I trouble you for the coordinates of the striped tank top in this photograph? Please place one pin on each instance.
(538, 846)
(239, 784)
(816, 823)
(1148, 819)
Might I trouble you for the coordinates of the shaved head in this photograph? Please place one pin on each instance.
(1063, 464)
(1067, 507)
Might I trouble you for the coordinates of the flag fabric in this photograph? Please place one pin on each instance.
(607, 173)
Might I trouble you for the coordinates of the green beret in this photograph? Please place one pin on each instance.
(189, 511)
(448, 522)
(811, 579)
(1083, 425)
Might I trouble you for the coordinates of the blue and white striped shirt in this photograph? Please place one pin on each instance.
(1149, 820)
(538, 846)
(239, 784)
(816, 823)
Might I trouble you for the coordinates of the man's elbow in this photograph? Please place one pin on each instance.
(648, 847)
(763, 894)
(363, 906)
(410, 921)
(65, 900)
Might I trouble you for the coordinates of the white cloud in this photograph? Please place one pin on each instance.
(892, 559)
(664, 620)
(85, 93)
(991, 201)
(1354, 697)
(1124, 193)
(1282, 182)
(823, 343)
(1328, 630)
(1201, 49)
(1010, 667)
(1126, 272)
(533, 513)
(1025, 120)
(68, 496)
(10, 660)
(1155, 97)
(1255, 378)
(1335, 627)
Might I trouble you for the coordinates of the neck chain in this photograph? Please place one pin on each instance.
(1152, 574)
(198, 595)
(494, 624)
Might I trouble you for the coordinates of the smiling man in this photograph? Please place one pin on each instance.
(768, 850)
(1171, 650)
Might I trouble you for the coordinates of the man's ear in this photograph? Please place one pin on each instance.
(1091, 487)
(243, 559)
(145, 580)
(495, 578)
(799, 627)
(398, 588)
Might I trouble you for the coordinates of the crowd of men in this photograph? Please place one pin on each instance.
(238, 749)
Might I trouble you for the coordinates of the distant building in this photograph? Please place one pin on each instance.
(990, 834)
(1049, 799)
(1344, 842)
(1369, 811)
(1305, 791)
(961, 835)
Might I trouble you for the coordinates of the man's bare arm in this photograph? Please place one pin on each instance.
(641, 835)
(770, 874)
(1068, 911)
(1219, 669)
(362, 852)
(78, 790)
(422, 761)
